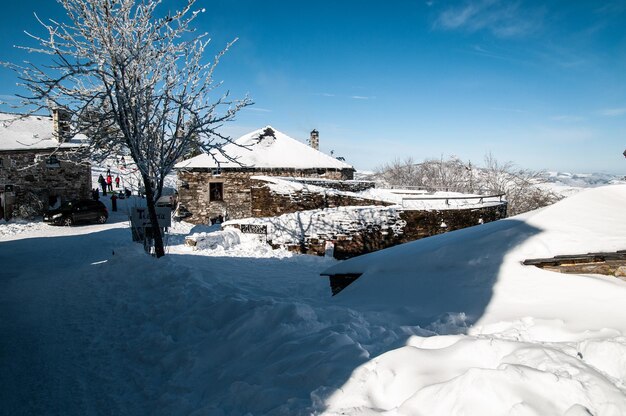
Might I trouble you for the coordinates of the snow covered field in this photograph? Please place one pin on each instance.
(566, 184)
(450, 325)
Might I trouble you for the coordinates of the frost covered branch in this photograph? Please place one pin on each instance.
(134, 82)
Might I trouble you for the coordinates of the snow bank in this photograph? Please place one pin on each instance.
(536, 342)
(18, 226)
(223, 239)
(480, 376)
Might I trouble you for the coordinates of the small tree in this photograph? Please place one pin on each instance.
(133, 82)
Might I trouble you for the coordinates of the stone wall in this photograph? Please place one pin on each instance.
(267, 203)
(346, 186)
(193, 190)
(422, 224)
(33, 179)
(394, 226)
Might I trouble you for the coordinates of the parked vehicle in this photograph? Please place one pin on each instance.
(77, 211)
(167, 201)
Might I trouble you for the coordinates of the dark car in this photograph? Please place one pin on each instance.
(77, 211)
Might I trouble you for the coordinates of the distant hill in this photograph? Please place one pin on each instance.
(566, 184)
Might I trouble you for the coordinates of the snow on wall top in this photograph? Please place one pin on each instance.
(286, 186)
(30, 133)
(265, 151)
(427, 202)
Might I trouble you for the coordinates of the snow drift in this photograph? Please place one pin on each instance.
(527, 332)
(449, 325)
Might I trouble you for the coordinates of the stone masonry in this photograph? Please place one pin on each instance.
(266, 203)
(34, 179)
(339, 185)
(393, 226)
(194, 184)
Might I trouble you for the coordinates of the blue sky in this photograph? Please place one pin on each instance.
(542, 84)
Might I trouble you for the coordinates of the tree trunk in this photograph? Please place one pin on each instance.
(159, 250)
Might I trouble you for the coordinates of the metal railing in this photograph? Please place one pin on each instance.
(447, 199)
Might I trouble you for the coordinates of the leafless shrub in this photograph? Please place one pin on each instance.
(29, 207)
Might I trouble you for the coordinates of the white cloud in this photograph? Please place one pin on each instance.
(613, 112)
(258, 109)
(502, 18)
(361, 97)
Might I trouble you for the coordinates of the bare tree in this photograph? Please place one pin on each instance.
(520, 186)
(434, 174)
(399, 172)
(134, 82)
(446, 175)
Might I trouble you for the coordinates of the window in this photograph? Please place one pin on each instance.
(216, 191)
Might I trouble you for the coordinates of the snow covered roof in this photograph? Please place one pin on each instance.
(33, 132)
(261, 150)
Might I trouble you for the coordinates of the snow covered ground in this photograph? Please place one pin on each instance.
(520, 340)
(566, 184)
(450, 325)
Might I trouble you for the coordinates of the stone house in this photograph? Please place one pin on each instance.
(219, 185)
(40, 165)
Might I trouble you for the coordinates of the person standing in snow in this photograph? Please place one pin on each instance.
(103, 184)
(117, 181)
(110, 182)
(113, 202)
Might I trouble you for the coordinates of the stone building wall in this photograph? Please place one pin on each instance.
(33, 179)
(394, 226)
(267, 203)
(193, 190)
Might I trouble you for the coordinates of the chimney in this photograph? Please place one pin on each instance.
(314, 141)
(60, 124)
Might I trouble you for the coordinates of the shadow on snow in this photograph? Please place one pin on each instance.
(222, 335)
